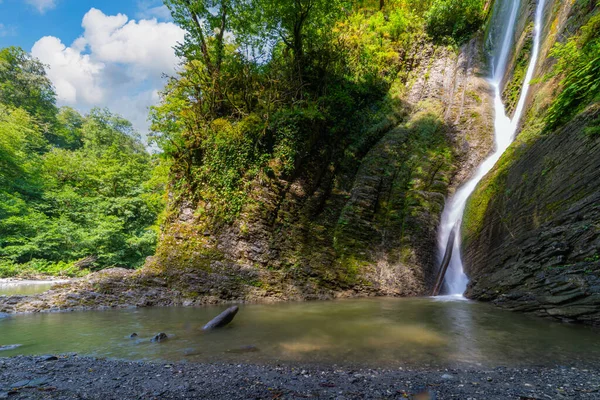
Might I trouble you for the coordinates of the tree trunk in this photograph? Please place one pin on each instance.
(445, 262)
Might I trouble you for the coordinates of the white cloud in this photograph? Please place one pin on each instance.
(77, 79)
(42, 5)
(147, 44)
(117, 63)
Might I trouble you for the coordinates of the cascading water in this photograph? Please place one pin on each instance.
(505, 130)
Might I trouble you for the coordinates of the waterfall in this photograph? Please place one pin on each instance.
(505, 132)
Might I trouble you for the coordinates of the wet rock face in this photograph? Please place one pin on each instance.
(539, 248)
(354, 221)
(531, 231)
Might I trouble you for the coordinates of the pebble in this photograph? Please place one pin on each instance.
(101, 378)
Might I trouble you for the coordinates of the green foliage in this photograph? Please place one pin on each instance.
(579, 63)
(295, 79)
(37, 268)
(20, 143)
(512, 91)
(92, 191)
(454, 19)
(24, 84)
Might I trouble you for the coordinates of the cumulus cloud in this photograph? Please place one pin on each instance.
(42, 5)
(116, 63)
(147, 44)
(77, 78)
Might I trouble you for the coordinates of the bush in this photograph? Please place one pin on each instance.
(454, 20)
(579, 63)
(36, 267)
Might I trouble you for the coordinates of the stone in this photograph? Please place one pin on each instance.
(447, 377)
(10, 347)
(161, 337)
(20, 384)
(222, 319)
(38, 382)
(133, 335)
(189, 352)
(243, 349)
(48, 357)
(424, 395)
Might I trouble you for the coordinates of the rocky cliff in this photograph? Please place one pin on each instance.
(351, 222)
(531, 231)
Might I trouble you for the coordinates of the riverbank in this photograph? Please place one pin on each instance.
(72, 377)
(119, 288)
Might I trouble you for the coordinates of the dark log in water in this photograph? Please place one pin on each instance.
(222, 319)
(445, 263)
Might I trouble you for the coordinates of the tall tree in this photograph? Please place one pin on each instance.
(24, 84)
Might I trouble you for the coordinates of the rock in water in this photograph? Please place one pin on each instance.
(161, 337)
(243, 349)
(222, 319)
(9, 347)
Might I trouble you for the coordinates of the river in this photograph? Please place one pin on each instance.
(381, 332)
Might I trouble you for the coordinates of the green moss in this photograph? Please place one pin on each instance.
(184, 246)
(512, 91)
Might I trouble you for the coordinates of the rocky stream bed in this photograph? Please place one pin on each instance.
(73, 377)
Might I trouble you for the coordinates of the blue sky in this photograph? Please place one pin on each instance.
(109, 53)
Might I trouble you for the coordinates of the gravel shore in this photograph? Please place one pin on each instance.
(73, 377)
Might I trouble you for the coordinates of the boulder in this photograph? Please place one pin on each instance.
(161, 337)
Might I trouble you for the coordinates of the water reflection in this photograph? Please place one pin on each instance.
(24, 288)
(378, 332)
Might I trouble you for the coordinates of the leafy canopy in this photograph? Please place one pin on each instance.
(72, 187)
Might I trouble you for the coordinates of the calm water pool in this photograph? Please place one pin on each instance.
(381, 332)
(24, 287)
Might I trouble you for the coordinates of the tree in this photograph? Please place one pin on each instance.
(24, 84)
(454, 19)
(71, 186)
(68, 131)
(297, 22)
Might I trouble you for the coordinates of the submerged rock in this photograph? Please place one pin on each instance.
(161, 337)
(243, 349)
(222, 319)
(133, 335)
(10, 347)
